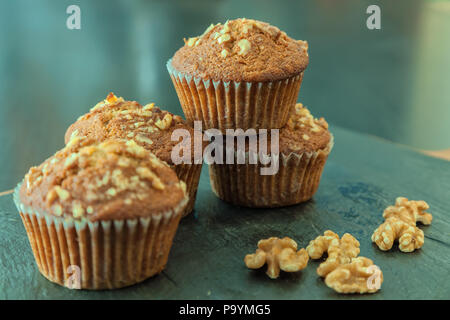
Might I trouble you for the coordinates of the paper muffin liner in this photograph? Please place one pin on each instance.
(190, 174)
(296, 181)
(103, 254)
(231, 105)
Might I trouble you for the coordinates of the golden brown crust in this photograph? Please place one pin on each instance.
(148, 126)
(115, 179)
(242, 50)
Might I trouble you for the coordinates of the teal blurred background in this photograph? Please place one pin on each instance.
(393, 83)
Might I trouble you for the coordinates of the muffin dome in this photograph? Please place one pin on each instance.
(242, 50)
(115, 179)
(149, 126)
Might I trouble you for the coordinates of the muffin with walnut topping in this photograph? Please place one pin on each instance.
(101, 215)
(303, 147)
(150, 127)
(242, 74)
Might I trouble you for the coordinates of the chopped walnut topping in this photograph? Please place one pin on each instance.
(165, 123)
(400, 224)
(57, 210)
(110, 99)
(224, 38)
(191, 41)
(146, 173)
(98, 172)
(148, 107)
(135, 149)
(340, 251)
(277, 254)
(143, 139)
(224, 53)
(245, 46)
(77, 210)
(56, 192)
(302, 117)
(111, 192)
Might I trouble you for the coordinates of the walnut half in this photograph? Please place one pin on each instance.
(400, 224)
(278, 254)
(358, 276)
(340, 251)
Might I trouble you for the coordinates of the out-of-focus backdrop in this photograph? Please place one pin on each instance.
(393, 83)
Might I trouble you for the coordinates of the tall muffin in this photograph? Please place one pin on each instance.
(148, 126)
(109, 210)
(304, 145)
(242, 74)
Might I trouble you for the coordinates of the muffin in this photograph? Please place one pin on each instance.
(109, 210)
(149, 126)
(242, 74)
(304, 145)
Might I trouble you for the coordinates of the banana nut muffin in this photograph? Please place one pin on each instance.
(110, 208)
(242, 74)
(148, 126)
(304, 145)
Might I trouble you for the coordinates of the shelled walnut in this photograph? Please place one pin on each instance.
(277, 254)
(340, 251)
(358, 276)
(400, 224)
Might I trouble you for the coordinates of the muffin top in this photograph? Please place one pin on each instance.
(242, 50)
(114, 179)
(149, 126)
(303, 132)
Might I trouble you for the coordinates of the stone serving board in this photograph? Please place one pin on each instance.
(363, 175)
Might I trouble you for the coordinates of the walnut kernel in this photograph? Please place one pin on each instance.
(277, 254)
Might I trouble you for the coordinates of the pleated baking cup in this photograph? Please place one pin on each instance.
(80, 254)
(231, 105)
(190, 174)
(296, 181)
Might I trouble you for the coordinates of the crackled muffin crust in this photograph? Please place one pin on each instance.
(242, 50)
(115, 179)
(149, 126)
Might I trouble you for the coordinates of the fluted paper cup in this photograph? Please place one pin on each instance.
(190, 174)
(231, 105)
(103, 254)
(296, 181)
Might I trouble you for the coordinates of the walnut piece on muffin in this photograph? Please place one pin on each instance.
(242, 50)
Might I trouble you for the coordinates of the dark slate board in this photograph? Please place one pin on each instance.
(363, 175)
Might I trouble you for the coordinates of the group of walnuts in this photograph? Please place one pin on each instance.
(343, 270)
